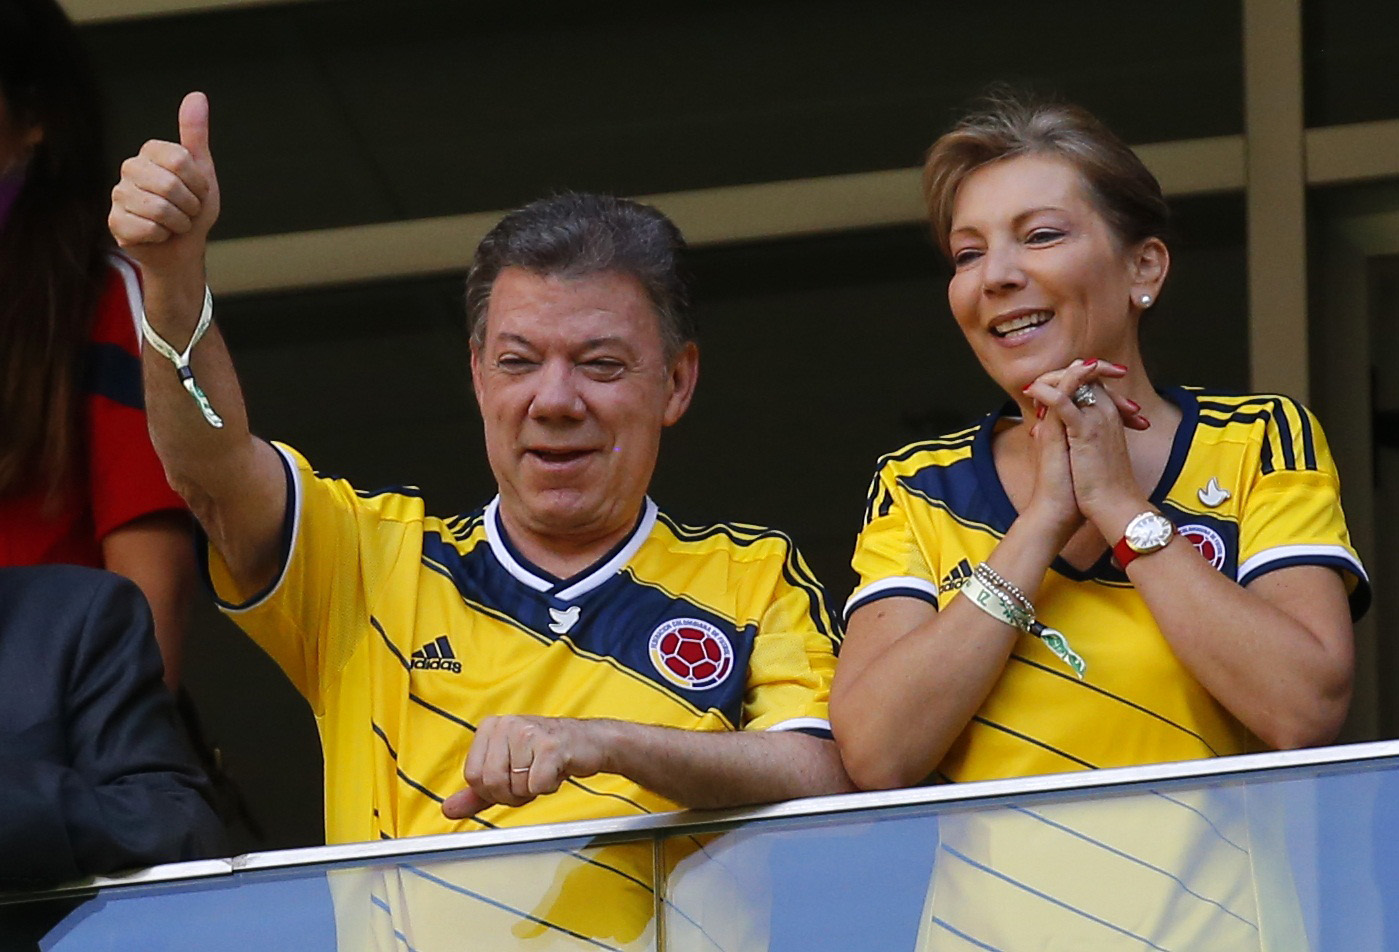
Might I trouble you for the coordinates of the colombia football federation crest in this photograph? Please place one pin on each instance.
(691, 654)
(1209, 542)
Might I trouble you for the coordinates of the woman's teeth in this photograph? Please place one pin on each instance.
(1023, 323)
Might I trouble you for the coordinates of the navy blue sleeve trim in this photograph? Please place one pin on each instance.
(201, 549)
(111, 372)
(1359, 598)
(861, 602)
(823, 733)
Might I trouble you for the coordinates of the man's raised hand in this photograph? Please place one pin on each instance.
(168, 196)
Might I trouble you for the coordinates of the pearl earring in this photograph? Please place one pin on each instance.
(1146, 300)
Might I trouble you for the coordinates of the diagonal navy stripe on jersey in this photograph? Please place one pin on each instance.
(411, 491)
(1308, 441)
(421, 788)
(462, 722)
(952, 441)
(1217, 831)
(962, 935)
(1050, 899)
(502, 906)
(1274, 409)
(1135, 859)
(818, 609)
(1093, 687)
(987, 527)
(393, 754)
(1038, 743)
(653, 683)
(396, 933)
(374, 622)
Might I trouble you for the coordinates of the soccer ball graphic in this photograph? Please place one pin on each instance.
(1209, 542)
(691, 654)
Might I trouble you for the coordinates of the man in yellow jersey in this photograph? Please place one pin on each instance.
(568, 649)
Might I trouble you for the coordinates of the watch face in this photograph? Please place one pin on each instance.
(1149, 532)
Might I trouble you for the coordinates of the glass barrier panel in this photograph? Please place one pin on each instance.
(1289, 860)
(556, 897)
(1295, 855)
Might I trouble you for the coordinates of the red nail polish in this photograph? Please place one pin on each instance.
(1146, 424)
(1026, 388)
(1121, 367)
(1133, 405)
(1039, 414)
(1091, 363)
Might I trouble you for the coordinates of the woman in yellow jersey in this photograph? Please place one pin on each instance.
(1104, 573)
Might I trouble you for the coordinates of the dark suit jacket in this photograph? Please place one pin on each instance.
(95, 776)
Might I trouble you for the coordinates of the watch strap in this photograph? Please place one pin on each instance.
(1124, 553)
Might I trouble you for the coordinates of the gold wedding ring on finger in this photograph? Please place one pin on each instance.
(1084, 397)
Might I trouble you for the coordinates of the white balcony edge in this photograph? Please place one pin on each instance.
(1118, 780)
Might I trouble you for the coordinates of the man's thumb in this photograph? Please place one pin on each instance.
(194, 125)
(463, 804)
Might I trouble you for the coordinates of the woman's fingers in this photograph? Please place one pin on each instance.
(1057, 389)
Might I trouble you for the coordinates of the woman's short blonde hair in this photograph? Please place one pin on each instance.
(1009, 124)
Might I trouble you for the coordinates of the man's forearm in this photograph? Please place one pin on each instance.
(708, 769)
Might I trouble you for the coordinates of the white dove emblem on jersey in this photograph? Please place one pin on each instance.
(564, 621)
(1213, 494)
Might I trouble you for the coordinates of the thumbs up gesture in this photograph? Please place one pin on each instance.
(168, 196)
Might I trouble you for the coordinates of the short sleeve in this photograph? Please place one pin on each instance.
(1293, 514)
(794, 652)
(125, 477)
(887, 557)
(339, 547)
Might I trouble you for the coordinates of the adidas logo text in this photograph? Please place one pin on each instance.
(955, 578)
(436, 655)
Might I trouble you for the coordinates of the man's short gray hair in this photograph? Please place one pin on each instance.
(574, 235)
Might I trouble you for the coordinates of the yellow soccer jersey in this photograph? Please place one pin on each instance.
(1250, 482)
(403, 631)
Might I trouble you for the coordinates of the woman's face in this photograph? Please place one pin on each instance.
(1040, 278)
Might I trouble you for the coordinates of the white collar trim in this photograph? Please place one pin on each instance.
(583, 585)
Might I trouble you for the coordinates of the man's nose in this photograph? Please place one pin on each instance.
(557, 395)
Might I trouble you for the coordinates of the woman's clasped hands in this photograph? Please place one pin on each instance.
(1079, 432)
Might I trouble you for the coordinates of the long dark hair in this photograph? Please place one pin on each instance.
(52, 246)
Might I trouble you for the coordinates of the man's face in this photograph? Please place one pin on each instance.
(574, 389)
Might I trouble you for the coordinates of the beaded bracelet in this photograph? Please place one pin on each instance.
(1003, 606)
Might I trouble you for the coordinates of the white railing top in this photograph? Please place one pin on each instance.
(684, 822)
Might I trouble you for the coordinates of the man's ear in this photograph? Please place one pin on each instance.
(1150, 265)
(684, 375)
